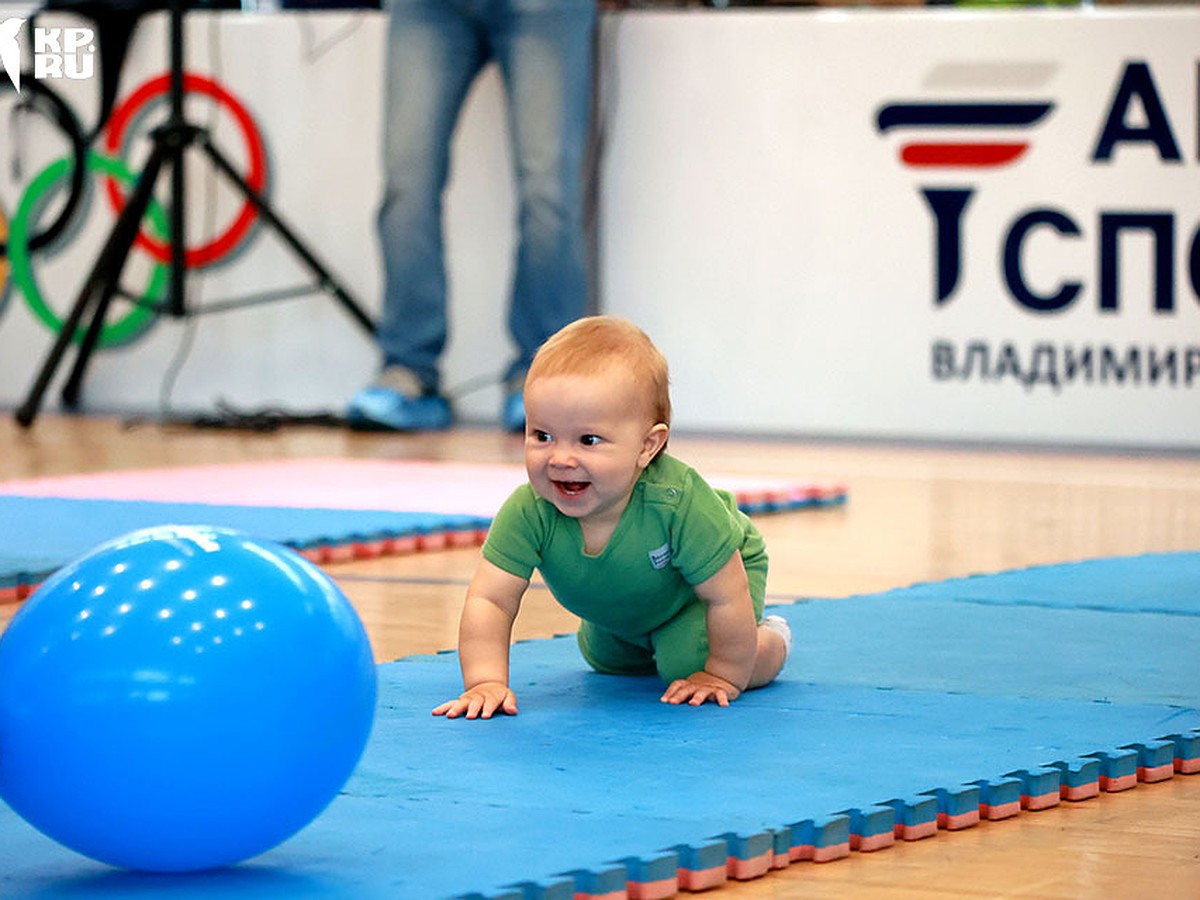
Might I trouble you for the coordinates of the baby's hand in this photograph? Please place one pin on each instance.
(699, 688)
(480, 702)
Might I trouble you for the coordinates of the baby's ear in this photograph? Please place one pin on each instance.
(655, 440)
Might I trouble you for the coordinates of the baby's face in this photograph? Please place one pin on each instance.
(587, 439)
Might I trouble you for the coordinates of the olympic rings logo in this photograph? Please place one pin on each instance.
(117, 178)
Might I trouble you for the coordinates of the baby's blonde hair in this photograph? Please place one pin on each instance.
(595, 343)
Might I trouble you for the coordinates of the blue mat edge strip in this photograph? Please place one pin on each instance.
(451, 530)
(868, 828)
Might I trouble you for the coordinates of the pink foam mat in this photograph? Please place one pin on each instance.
(334, 483)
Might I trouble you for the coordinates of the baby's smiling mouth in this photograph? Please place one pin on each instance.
(571, 488)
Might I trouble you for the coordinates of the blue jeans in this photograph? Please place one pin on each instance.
(435, 50)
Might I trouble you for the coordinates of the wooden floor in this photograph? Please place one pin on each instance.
(915, 514)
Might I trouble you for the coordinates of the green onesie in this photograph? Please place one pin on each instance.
(640, 612)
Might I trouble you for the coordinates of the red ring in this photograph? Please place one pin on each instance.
(256, 177)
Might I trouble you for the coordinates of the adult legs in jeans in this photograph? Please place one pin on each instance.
(436, 48)
(545, 52)
(434, 52)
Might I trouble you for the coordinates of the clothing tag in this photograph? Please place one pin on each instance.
(660, 558)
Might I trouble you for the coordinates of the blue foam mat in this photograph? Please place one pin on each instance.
(1164, 583)
(40, 534)
(886, 696)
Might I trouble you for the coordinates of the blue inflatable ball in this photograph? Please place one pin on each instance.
(182, 698)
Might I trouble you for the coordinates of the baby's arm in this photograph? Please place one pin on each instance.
(484, 633)
(732, 640)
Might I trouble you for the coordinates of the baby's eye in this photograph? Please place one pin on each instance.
(590, 440)
(540, 436)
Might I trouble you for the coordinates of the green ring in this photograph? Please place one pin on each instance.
(125, 327)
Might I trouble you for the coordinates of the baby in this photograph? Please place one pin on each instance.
(666, 574)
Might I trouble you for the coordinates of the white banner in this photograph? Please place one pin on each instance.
(924, 224)
(785, 193)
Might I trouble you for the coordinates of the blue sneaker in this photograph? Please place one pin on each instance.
(513, 414)
(396, 402)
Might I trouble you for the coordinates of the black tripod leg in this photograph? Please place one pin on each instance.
(99, 287)
(73, 386)
(28, 410)
(328, 282)
(109, 267)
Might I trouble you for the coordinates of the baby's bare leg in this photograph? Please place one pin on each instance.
(772, 651)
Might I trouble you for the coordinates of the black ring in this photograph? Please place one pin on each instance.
(47, 102)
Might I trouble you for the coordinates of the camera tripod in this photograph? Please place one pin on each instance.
(169, 143)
